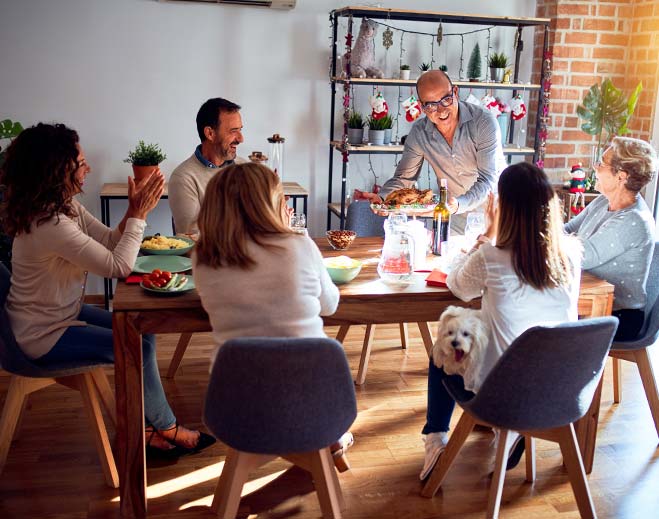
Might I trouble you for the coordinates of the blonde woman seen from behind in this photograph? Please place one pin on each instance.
(256, 277)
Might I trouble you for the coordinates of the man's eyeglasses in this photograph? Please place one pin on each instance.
(432, 106)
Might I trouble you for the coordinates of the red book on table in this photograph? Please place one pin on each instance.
(436, 278)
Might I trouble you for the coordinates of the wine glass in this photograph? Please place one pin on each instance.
(299, 223)
(475, 226)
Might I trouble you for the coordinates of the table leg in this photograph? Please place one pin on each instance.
(130, 416)
(105, 218)
(294, 198)
(304, 207)
(426, 336)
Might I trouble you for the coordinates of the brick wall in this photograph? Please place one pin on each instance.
(591, 40)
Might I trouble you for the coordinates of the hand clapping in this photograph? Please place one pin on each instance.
(145, 194)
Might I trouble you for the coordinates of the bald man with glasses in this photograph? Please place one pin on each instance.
(460, 141)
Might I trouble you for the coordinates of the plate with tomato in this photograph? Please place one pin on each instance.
(147, 264)
(164, 282)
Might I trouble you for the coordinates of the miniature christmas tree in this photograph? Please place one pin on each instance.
(474, 66)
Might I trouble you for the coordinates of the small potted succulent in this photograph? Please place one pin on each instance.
(355, 128)
(424, 67)
(376, 128)
(497, 63)
(145, 158)
(443, 68)
(404, 71)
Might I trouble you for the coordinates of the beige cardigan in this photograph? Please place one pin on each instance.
(49, 272)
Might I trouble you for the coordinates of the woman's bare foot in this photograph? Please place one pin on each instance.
(154, 440)
(181, 436)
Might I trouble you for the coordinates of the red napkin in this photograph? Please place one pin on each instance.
(436, 279)
(134, 279)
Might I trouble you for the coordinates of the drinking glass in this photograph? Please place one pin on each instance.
(299, 222)
(474, 227)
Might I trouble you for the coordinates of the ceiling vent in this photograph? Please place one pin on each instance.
(273, 4)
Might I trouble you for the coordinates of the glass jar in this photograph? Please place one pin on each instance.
(276, 160)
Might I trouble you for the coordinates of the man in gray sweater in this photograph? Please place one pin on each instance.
(219, 126)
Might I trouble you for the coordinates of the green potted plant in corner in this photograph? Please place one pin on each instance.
(605, 108)
(404, 71)
(145, 158)
(388, 124)
(376, 129)
(8, 130)
(355, 128)
(497, 63)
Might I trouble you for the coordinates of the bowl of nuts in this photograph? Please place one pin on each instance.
(341, 240)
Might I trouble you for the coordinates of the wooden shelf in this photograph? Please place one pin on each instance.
(398, 148)
(436, 16)
(479, 85)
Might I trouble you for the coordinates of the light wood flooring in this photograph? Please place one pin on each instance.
(53, 471)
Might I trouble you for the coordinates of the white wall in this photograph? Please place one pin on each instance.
(123, 70)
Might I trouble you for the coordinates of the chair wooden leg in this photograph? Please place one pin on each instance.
(617, 380)
(19, 389)
(649, 383)
(498, 476)
(426, 336)
(105, 393)
(404, 335)
(93, 408)
(366, 354)
(529, 456)
(455, 443)
(181, 346)
(575, 469)
(326, 483)
(237, 467)
(343, 331)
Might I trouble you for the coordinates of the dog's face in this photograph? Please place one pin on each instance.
(461, 336)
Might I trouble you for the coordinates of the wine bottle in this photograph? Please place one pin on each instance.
(441, 221)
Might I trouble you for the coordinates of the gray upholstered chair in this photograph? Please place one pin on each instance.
(361, 219)
(543, 383)
(28, 377)
(637, 350)
(288, 397)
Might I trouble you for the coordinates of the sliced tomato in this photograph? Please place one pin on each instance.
(166, 275)
(146, 277)
(156, 272)
(147, 283)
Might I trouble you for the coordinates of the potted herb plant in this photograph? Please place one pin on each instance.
(497, 63)
(388, 123)
(355, 128)
(606, 108)
(404, 71)
(376, 128)
(145, 158)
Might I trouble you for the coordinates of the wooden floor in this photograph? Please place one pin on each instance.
(53, 472)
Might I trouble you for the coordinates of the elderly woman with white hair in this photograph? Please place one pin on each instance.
(617, 229)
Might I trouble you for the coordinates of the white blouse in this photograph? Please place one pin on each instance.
(509, 306)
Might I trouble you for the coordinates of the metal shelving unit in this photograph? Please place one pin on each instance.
(335, 145)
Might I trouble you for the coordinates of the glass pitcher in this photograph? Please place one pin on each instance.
(396, 264)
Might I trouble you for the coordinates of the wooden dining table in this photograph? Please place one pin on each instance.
(365, 300)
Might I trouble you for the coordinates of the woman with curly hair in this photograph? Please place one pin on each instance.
(56, 243)
(617, 229)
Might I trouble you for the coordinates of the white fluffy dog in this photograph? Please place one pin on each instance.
(461, 340)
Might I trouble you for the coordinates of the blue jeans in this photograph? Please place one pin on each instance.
(440, 401)
(94, 342)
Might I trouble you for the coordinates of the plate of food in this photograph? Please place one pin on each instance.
(147, 264)
(166, 245)
(407, 200)
(165, 283)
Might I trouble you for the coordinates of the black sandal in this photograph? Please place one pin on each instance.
(205, 440)
(155, 452)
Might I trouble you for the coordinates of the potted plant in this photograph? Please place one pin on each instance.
(424, 67)
(474, 65)
(606, 108)
(355, 128)
(404, 71)
(376, 129)
(443, 68)
(8, 130)
(388, 123)
(145, 158)
(497, 63)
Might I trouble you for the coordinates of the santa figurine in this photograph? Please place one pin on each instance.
(517, 108)
(412, 108)
(379, 106)
(577, 179)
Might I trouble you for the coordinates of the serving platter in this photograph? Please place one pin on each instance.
(168, 252)
(189, 285)
(411, 209)
(146, 264)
